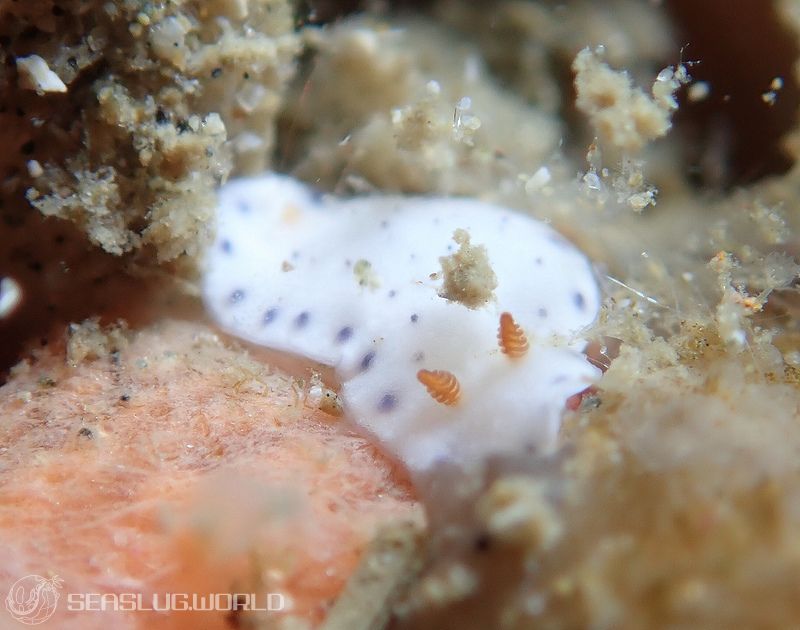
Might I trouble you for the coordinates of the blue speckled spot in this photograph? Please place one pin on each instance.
(366, 362)
(344, 334)
(226, 246)
(414, 318)
(301, 320)
(236, 297)
(579, 300)
(543, 313)
(387, 402)
(270, 316)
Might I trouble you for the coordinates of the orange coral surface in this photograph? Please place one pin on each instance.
(166, 462)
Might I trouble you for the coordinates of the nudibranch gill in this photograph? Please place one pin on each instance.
(354, 284)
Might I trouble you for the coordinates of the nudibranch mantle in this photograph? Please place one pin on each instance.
(353, 283)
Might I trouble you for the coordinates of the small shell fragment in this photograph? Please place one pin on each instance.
(35, 74)
(10, 296)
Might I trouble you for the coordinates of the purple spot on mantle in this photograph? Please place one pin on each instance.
(366, 362)
(301, 320)
(270, 316)
(387, 402)
(344, 334)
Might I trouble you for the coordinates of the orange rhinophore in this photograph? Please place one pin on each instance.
(442, 385)
(513, 341)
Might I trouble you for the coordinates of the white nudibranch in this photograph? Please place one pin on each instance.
(432, 380)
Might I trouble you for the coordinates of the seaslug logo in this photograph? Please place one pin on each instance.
(33, 599)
